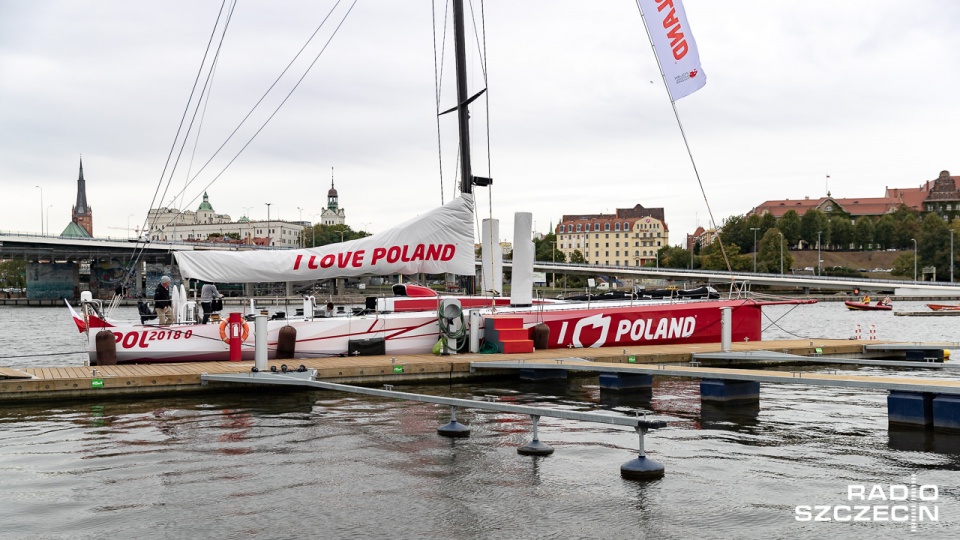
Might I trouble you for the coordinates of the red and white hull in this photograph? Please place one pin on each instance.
(572, 325)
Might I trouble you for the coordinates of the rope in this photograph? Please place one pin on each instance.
(446, 327)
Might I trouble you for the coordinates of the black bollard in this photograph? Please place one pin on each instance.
(286, 342)
(106, 349)
(541, 337)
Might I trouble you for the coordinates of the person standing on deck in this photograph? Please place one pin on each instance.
(208, 293)
(162, 303)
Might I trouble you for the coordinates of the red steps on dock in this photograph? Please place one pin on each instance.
(507, 334)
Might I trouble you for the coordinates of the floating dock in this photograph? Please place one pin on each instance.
(96, 382)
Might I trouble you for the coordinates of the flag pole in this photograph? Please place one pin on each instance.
(683, 134)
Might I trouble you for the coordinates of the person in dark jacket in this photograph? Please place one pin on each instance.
(162, 303)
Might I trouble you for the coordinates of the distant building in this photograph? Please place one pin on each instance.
(82, 214)
(629, 237)
(205, 225)
(704, 237)
(333, 214)
(939, 195)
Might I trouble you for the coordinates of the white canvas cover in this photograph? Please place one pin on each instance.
(436, 242)
(675, 47)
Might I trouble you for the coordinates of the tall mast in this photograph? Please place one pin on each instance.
(463, 114)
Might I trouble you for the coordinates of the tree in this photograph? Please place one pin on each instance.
(903, 265)
(811, 223)
(323, 235)
(545, 249)
(906, 227)
(577, 257)
(933, 245)
(863, 232)
(736, 231)
(789, 225)
(883, 232)
(13, 273)
(674, 257)
(768, 255)
(713, 259)
(841, 231)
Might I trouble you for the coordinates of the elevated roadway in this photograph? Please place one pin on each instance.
(806, 283)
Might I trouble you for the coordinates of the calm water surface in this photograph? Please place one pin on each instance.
(309, 464)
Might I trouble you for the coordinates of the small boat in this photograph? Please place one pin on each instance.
(944, 307)
(861, 306)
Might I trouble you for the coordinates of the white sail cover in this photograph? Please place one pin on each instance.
(676, 50)
(434, 243)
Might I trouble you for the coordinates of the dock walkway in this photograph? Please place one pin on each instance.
(95, 382)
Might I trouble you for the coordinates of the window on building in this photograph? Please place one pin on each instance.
(616, 226)
(606, 226)
(578, 227)
(626, 226)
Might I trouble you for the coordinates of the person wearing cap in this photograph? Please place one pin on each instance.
(162, 303)
(208, 293)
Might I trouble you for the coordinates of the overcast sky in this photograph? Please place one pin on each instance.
(579, 120)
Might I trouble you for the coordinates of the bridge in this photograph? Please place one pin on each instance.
(34, 248)
(805, 283)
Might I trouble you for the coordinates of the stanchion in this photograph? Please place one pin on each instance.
(856, 332)
(873, 331)
(260, 342)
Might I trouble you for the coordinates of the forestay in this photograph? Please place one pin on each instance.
(437, 242)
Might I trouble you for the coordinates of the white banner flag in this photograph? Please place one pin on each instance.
(674, 45)
(437, 242)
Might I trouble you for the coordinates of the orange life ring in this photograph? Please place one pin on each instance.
(245, 332)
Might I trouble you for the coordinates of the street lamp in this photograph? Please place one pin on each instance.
(313, 230)
(914, 259)
(553, 278)
(249, 224)
(781, 253)
(754, 229)
(819, 269)
(301, 225)
(268, 223)
(41, 209)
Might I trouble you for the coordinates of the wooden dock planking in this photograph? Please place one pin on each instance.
(76, 381)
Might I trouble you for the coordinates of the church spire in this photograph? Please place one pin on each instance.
(81, 207)
(82, 213)
(332, 202)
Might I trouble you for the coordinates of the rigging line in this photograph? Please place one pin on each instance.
(270, 89)
(486, 98)
(138, 249)
(476, 37)
(206, 85)
(282, 103)
(204, 92)
(436, 88)
(203, 115)
(187, 107)
(686, 143)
